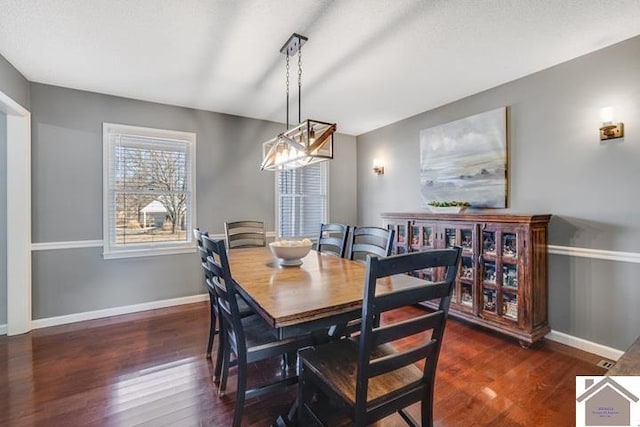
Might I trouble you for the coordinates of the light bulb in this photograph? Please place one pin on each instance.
(607, 115)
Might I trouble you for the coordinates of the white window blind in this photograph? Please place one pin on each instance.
(302, 200)
(149, 191)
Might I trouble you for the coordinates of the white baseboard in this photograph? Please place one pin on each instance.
(561, 337)
(115, 311)
(582, 344)
(3, 329)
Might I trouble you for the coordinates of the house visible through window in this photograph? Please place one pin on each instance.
(149, 191)
(302, 200)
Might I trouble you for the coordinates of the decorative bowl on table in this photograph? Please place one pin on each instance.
(290, 252)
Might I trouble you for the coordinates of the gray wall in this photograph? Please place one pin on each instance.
(3, 219)
(13, 84)
(67, 195)
(558, 166)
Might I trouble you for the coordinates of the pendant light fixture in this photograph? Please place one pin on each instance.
(310, 141)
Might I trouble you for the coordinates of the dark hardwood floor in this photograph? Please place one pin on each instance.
(149, 369)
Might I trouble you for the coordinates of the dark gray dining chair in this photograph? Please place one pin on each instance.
(370, 241)
(357, 381)
(245, 310)
(241, 234)
(333, 239)
(250, 339)
(202, 252)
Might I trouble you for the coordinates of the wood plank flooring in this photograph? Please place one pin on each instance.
(149, 369)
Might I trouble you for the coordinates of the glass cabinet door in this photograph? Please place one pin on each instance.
(450, 237)
(489, 286)
(501, 252)
(464, 236)
(422, 237)
(510, 245)
(400, 238)
(488, 271)
(466, 283)
(509, 253)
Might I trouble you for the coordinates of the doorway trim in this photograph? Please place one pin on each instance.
(19, 314)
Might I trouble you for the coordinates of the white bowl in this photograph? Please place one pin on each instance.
(290, 253)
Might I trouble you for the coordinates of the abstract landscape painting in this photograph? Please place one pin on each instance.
(466, 160)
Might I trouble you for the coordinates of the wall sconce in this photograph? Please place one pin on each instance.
(609, 129)
(378, 167)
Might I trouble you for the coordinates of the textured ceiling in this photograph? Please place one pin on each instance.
(366, 64)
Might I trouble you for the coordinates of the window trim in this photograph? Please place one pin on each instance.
(325, 219)
(111, 251)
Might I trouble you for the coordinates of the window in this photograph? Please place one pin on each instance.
(302, 202)
(149, 191)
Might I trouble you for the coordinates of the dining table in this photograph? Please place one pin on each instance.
(323, 291)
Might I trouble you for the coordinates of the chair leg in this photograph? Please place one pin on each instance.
(284, 363)
(225, 371)
(212, 331)
(426, 411)
(220, 354)
(305, 396)
(240, 393)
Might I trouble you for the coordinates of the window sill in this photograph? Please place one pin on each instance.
(146, 252)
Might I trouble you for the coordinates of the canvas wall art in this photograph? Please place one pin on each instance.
(466, 160)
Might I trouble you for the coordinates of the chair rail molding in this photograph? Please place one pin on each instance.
(79, 244)
(76, 244)
(632, 257)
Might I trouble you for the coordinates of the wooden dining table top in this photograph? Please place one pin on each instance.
(323, 286)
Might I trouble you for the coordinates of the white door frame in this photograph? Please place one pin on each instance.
(18, 216)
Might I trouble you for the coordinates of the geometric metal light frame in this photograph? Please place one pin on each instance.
(308, 143)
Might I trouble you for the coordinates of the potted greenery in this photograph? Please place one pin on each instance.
(453, 206)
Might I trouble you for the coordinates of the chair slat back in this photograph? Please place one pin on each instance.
(224, 287)
(333, 239)
(390, 363)
(409, 327)
(210, 248)
(371, 336)
(197, 234)
(374, 241)
(245, 234)
(202, 252)
(406, 297)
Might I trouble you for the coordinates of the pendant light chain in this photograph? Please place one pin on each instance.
(287, 56)
(300, 84)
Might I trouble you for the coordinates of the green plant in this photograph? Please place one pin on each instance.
(447, 204)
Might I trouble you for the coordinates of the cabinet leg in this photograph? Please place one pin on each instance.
(524, 344)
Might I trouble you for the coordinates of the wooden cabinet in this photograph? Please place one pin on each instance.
(502, 279)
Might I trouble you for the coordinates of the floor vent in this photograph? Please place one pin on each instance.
(606, 364)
